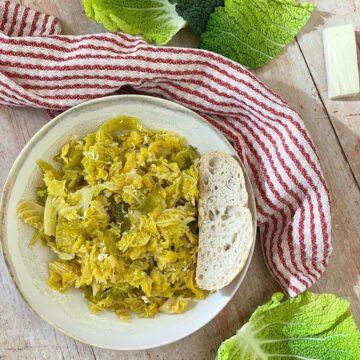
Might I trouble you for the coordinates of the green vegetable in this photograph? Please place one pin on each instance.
(309, 327)
(156, 20)
(50, 215)
(253, 32)
(31, 213)
(196, 12)
(117, 214)
(185, 158)
(175, 305)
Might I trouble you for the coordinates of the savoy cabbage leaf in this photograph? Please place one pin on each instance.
(31, 213)
(196, 12)
(155, 20)
(309, 327)
(253, 32)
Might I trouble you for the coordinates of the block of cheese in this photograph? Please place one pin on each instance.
(341, 61)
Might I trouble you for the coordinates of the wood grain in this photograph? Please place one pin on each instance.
(298, 76)
(344, 114)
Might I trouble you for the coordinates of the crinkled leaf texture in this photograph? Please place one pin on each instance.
(311, 326)
(31, 213)
(155, 20)
(196, 12)
(254, 32)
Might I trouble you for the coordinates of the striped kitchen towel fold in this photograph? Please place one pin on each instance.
(56, 72)
(17, 20)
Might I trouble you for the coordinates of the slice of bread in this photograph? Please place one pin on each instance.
(225, 222)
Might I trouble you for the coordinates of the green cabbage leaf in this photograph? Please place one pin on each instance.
(308, 327)
(31, 213)
(155, 20)
(253, 32)
(196, 12)
(175, 305)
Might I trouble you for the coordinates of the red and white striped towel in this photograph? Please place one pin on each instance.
(56, 72)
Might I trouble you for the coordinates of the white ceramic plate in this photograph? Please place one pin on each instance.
(28, 266)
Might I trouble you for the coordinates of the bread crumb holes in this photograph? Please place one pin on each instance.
(234, 237)
(211, 215)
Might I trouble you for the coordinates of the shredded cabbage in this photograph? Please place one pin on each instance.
(119, 211)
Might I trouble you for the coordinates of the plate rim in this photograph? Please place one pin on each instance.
(20, 161)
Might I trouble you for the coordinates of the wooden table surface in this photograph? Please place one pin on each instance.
(297, 75)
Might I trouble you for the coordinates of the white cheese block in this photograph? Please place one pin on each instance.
(341, 61)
